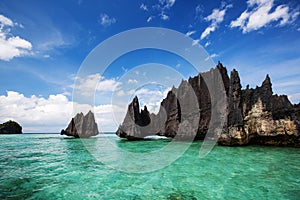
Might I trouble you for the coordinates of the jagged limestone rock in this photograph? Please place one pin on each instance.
(82, 126)
(253, 116)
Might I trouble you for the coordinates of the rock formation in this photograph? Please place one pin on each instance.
(10, 127)
(134, 122)
(82, 126)
(250, 116)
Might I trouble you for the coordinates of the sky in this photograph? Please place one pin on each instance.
(43, 45)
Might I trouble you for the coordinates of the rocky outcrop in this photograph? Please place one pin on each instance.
(135, 123)
(10, 127)
(262, 118)
(249, 116)
(82, 126)
(297, 111)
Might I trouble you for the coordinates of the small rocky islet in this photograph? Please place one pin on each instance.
(10, 127)
(82, 126)
(251, 116)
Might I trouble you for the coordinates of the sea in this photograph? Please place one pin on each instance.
(51, 166)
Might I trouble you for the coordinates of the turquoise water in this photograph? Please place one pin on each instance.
(49, 166)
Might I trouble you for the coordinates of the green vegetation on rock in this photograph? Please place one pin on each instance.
(10, 127)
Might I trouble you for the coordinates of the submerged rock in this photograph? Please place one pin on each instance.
(251, 116)
(10, 127)
(82, 126)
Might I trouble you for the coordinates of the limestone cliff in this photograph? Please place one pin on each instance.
(134, 122)
(82, 126)
(250, 116)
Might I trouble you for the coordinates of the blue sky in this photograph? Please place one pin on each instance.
(43, 43)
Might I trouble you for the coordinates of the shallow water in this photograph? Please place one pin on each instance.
(49, 166)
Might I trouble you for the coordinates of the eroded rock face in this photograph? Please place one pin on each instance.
(10, 127)
(256, 116)
(135, 123)
(252, 116)
(233, 133)
(82, 126)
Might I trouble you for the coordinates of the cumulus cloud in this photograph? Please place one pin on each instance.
(11, 46)
(94, 82)
(5, 21)
(216, 17)
(35, 112)
(39, 114)
(151, 97)
(261, 13)
(106, 21)
(122, 93)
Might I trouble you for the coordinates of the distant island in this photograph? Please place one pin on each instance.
(10, 127)
(82, 126)
(252, 116)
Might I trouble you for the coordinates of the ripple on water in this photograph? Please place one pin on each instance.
(50, 167)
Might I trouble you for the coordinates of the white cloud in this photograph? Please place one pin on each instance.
(216, 17)
(195, 42)
(207, 44)
(33, 112)
(94, 82)
(188, 34)
(167, 4)
(163, 16)
(122, 93)
(241, 20)
(38, 114)
(207, 31)
(151, 98)
(261, 13)
(212, 56)
(11, 46)
(4, 21)
(163, 6)
(144, 7)
(294, 97)
(108, 85)
(105, 20)
(150, 18)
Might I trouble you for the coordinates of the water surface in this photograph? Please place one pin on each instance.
(49, 166)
